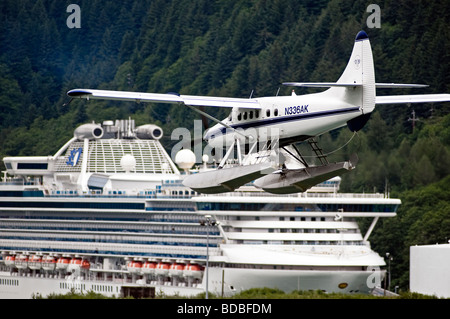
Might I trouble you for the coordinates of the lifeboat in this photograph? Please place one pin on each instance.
(48, 263)
(193, 270)
(62, 263)
(162, 269)
(10, 261)
(35, 262)
(22, 262)
(85, 264)
(134, 267)
(77, 264)
(176, 270)
(148, 267)
(74, 265)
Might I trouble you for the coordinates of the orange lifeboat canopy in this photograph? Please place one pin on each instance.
(22, 262)
(10, 260)
(162, 268)
(134, 266)
(176, 269)
(62, 263)
(148, 267)
(35, 262)
(74, 264)
(193, 270)
(48, 263)
(85, 264)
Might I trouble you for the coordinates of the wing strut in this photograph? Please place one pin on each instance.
(213, 118)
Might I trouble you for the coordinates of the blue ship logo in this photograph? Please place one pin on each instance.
(74, 156)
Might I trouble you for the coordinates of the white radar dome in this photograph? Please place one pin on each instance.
(185, 159)
(128, 163)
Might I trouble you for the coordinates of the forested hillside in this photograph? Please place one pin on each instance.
(233, 48)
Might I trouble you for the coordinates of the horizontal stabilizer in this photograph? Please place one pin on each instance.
(417, 98)
(336, 84)
(321, 84)
(164, 98)
(399, 86)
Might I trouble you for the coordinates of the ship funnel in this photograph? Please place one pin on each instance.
(149, 131)
(90, 131)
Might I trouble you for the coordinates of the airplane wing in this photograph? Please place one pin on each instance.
(190, 100)
(417, 98)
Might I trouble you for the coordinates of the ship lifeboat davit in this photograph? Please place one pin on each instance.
(48, 263)
(162, 269)
(62, 263)
(148, 268)
(21, 262)
(35, 262)
(10, 261)
(176, 270)
(134, 267)
(194, 271)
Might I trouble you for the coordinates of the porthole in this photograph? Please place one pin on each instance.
(343, 285)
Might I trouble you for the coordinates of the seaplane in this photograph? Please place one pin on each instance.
(269, 127)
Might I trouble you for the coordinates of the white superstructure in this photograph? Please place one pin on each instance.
(109, 213)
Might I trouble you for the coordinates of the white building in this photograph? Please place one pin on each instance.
(430, 270)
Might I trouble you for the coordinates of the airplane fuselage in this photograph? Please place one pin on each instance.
(287, 118)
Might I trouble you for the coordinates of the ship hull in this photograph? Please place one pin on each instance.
(222, 282)
(329, 281)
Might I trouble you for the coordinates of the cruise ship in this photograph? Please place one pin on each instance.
(108, 213)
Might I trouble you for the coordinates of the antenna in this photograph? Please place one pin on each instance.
(431, 110)
(413, 119)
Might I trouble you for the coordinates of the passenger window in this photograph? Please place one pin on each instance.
(268, 112)
(245, 115)
(239, 116)
(256, 114)
(250, 115)
(275, 112)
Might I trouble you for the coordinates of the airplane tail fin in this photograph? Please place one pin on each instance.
(357, 83)
(359, 71)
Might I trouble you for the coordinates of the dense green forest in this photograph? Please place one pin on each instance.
(233, 48)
